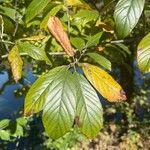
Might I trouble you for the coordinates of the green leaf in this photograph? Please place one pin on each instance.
(52, 12)
(17, 131)
(4, 123)
(89, 109)
(94, 40)
(9, 12)
(78, 43)
(16, 63)
(83, 14)
(22, 121)
(143, 54)
(35, 8)
(4, 135)
(34, 52)
(39, 91)
(100, 60)
(60, 106)
(126, 15)
(123, 47)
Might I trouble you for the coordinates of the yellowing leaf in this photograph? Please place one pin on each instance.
(34, 38)
(73, 2)
(104, 83)
(78, 3)
(16, 63)
(56, 29)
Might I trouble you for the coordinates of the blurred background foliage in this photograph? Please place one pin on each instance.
(127, 125)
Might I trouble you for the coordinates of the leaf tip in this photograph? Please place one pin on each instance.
(123, 95)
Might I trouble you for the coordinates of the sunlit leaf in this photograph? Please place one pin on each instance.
(100, 60)
(33, 38)
(83, 14)
(73, 2)
(4, 123)
(35, 8)
(22, 121)
(78, 3)
(60, 105)
(52, 12)
(34, 52)
(143, 54)
(9, 12)
(37, 95)
(94, 39)
(57, 30)
(89, 109)
(4, 135)
(78, 43)
(16, 63)
(126, 15)
(104, 83)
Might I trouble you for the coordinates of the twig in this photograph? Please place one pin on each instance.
(16, 19)
(2, 33)
(68, 17)
(117, 41)
(2, 28)
(23, 54)
(17, 143)
(8, 42)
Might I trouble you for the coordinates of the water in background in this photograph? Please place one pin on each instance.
(9, 103)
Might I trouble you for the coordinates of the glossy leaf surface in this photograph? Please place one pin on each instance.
(89, 109)
(34, 52)
(60, 105)
(126, 15)
(143, 54)
(37, 95)
(104, 62)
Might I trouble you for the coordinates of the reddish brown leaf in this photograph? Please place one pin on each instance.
(56, 29)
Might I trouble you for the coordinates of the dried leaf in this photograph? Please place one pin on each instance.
(56, 29)
(100, 48)
(104, 83)
(105, 26)
(16, 63)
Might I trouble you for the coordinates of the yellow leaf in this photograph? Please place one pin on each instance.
(78, 3)
(16, 63)
(73, 2)
(56, 28)
(34, 38)
(104, 83)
